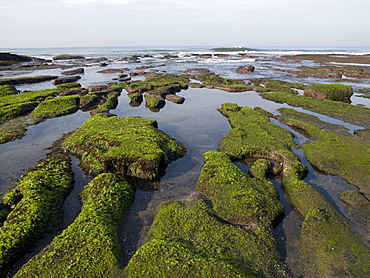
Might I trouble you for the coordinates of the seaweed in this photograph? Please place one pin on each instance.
(130, 146)
(326, 237)
(200, 245)
(56, 107)
(343, 111)
(89, 247)
(34, 206)
(236, 197)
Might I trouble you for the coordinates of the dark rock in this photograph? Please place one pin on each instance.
(197, 70)
(103, 113)
(275, 168)
(337, 92)
(175, 99)
(66, 80)
(245, 69)
(97, 88)
(75, 91)
(124, 79)
(103, 64)
(111, 71)
(14, 57)
(68, 57)
(26, 80)
(74, 72)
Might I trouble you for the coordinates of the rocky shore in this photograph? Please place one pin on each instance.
(227, 230)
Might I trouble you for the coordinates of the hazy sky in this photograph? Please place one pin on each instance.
(60, 23)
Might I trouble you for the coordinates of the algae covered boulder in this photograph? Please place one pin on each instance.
(131, 146)
(337, 92)
(236, 196)
(34, 206)
(253, 135)
(89, 246)
(189, 240)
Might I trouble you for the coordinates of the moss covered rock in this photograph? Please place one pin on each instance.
(56, 107)
(34, 205)
(335, 154)
(6, 90)
(200, 245)
(337, 92)
(131, 146)
(89, 246)
(237, 197)
(326, 237)
(253, 135)
(353, 114)
(12, 106)
(278, 85)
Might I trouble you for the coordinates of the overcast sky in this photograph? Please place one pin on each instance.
(62, 23)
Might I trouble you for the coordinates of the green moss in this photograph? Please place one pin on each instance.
(110, 103)
(332, 91)
(130, 146)
(200, 242)
(325, 233)
(34, 205)
(253, 135)
(56, 107)
(237, 197)
(13, 106)
(343, 111)
(12, 130)
(336, 154)
(155, 81)
(278, 85)
(6, 90)
(89, 246)
(69, 85)
(178, 258)
(331, 248)
(212, 81)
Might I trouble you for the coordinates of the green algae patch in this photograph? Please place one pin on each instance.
(253, 135)
(337, 92)
(155, 81)
(12, 106)
(12, 130)
(278, 85)
(110, 103)
(311, 119)
(6, 90)
(353, 114)
(56, 107)
(323, 225)
(69, 85)
(34, 206)
(177, 259)
(203, 246)
(214, 81)
(335, 154)
(89, 247)
(236, 197)
(331, 248)
(130, 146)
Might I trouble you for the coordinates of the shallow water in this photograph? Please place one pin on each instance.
(196, 123)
